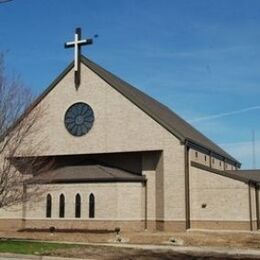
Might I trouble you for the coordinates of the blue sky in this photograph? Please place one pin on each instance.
(200, 58)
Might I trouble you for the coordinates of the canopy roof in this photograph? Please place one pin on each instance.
(250, 175)
(86, 173)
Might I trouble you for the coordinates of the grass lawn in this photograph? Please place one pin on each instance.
(32, 248)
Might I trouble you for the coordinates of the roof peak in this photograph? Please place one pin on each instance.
(162, 114)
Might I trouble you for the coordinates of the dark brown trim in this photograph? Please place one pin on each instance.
(145, 205)
(257, 206)
(219, 172)
(210, 159)
(224, 164)
(103, 180)
(24, 205)
(187, 185)
(250, 206)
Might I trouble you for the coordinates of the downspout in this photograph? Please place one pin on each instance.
(250, 206)
(24, 195)
(257, 205)
(210, 159)
(145, 204)
(187, 185)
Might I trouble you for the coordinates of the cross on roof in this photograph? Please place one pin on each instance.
(76, 44)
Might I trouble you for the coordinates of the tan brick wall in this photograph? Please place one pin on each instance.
(159, 184)
(174, 183)
(202, 158)
(12, 212)
(172, 226)
(253, 203)
(11, 224)
(113, 201)
(221, 225)
(225, 199)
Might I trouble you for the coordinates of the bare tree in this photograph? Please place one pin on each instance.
(18, 123)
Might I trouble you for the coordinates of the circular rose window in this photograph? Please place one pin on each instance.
(79, 119)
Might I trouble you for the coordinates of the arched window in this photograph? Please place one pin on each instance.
(62, 206)
(77, 206)
(48, 206)
(91, 206)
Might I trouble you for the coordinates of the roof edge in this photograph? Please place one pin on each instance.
(222, 173)
(101, 180)
(86, 61)
(178, 135)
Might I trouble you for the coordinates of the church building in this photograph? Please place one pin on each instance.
(122, 159)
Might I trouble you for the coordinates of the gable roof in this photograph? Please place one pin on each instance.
(156, 110)
(159, 112)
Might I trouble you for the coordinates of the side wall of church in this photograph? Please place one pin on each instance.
(218, 202)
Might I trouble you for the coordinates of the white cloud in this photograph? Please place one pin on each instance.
(220, 115)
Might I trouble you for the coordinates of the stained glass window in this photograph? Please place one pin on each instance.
(79, 119)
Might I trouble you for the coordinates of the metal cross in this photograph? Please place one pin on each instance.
(76, 44)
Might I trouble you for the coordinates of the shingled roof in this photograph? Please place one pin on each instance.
(86, 173)
(250, 175)
(156, 110)
(159, 112)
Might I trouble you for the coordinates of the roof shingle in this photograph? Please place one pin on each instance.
(86, 173)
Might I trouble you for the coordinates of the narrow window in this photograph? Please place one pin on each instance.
(205, 158)
(62, 206)
(91, 206)
(220, 163)
(48, 206)
(77, 206)
(196, 154)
